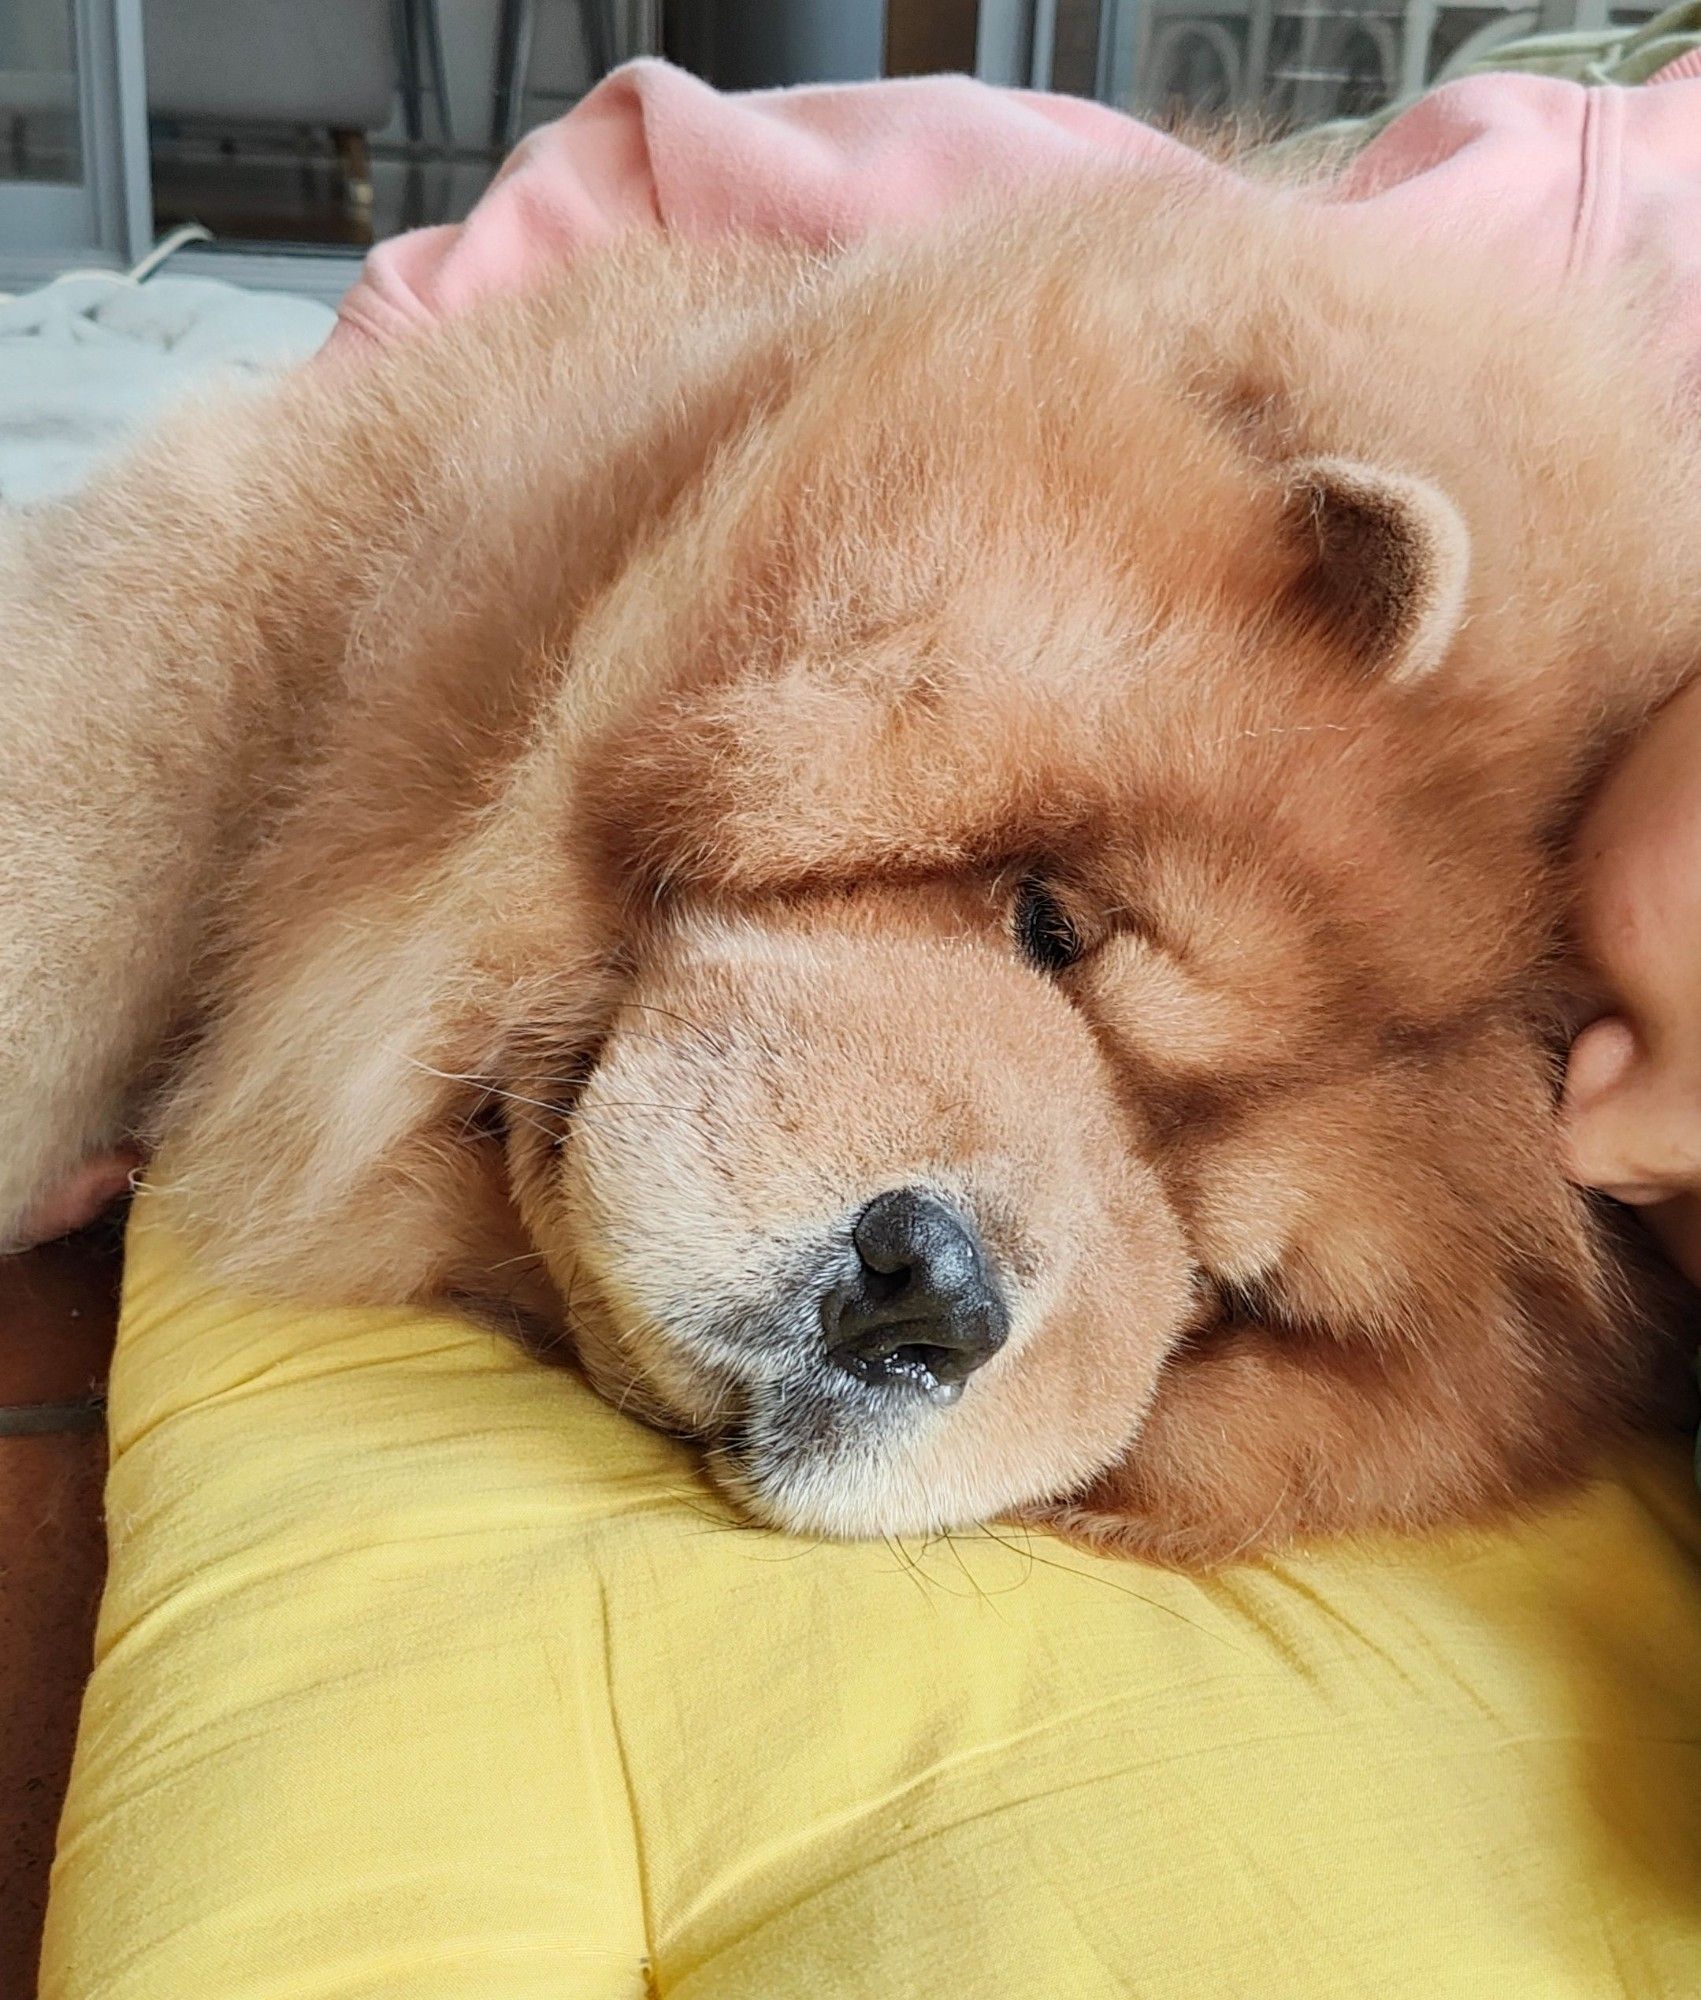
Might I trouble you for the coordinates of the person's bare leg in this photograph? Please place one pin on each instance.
(86, 1195)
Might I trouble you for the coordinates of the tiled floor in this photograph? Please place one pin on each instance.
(57, 1309)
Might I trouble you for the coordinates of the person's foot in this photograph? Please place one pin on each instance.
(81, 1199)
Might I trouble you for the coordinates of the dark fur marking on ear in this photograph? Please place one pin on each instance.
(1389, 560)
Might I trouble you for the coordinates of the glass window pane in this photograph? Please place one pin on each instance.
(1287, 65)
(332, 123)
(335, 122)
(39, 137)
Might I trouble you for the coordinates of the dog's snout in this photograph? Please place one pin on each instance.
(923, 1307)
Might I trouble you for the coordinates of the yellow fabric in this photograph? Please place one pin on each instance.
(422, 1673)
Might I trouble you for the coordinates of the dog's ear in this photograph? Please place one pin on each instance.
(1386, 562)
(332, 1137)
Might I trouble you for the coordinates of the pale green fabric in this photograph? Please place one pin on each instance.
(1617, 55)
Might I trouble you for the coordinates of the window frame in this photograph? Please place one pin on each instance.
(105, 220)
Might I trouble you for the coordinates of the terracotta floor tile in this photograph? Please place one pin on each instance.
(57, 1313)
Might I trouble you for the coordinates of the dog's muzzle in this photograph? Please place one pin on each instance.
(922, 1311)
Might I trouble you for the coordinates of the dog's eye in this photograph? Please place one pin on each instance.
(1045, 934)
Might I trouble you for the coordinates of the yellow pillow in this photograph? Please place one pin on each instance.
(423, 1673)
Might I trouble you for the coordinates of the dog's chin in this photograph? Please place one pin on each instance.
(828, 1459)
(818, 1457)
(823, 1455)
(799, 1442)
(812, 1450)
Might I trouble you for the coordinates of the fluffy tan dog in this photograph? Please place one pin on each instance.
(952, 853)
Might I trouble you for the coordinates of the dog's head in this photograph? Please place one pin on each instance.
(1031, 977)
(1065, 910)
(1074, 880)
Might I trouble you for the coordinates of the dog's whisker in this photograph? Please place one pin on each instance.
(640, 1104)
(709, 1039)
(482, 1083)
(906, 1562)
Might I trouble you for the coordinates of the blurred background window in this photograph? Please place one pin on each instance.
(294, 133)
(38, 91)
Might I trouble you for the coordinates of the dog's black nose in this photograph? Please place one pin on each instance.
(922, 1307)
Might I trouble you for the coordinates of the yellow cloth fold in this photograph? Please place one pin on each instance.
(423, 1673)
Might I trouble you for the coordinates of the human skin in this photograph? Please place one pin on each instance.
(1633, 1085)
